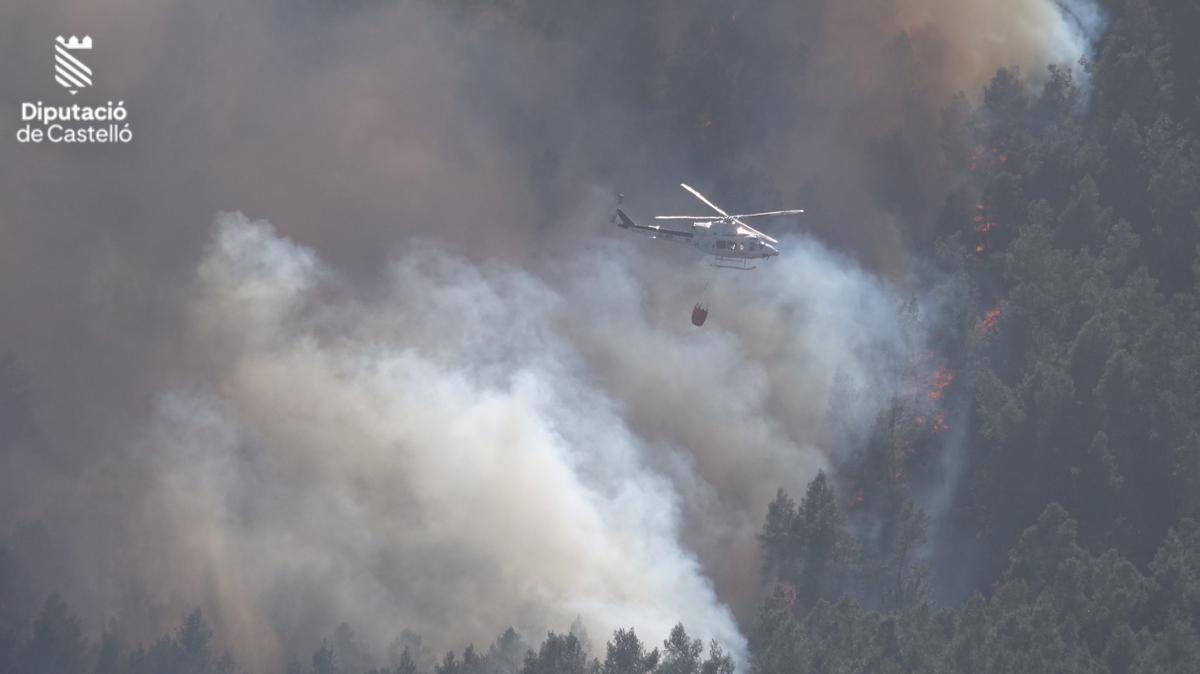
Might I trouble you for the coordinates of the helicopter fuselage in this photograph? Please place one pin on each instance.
(710, 240)
(722, 240)
(728, 238)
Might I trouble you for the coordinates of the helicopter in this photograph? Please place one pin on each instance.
(732, 242)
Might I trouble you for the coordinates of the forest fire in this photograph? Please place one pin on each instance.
(942, 377)
(983, 221)
(982, 158)
(857, 499)
(983, 226)
(989, 320)
(434, 316)
(937, 424)
(788, 594)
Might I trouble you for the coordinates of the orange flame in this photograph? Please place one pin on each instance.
(789, 595)
(983, 221)
(942, 377)
(985, 157)
(989, 320)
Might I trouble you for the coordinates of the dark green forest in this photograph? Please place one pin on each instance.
(1060, 397)
(1073, 365)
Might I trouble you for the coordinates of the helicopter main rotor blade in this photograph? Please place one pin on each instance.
(795, 211)
(683, 217)
(701, 197)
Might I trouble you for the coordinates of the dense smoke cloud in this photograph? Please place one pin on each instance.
(444, 395)
(451, 453)
(961, 44)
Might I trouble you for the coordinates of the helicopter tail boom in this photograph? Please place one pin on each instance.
(654, 230)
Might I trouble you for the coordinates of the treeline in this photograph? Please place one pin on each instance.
(1080, 227)
(1067, 380)
(1057, 608)
(1038, 476)
(57, 644)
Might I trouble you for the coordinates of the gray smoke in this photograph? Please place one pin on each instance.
(439, 391)
(473, 445)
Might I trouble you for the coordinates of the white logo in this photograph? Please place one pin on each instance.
(78, 122)
(69, 71)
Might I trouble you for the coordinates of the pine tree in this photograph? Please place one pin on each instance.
(57, 644)
(681, 653)
(558, 654)
(823, 550)
(625, 654)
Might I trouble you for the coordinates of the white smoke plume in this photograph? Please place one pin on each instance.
(988, 35)
(473, 446)
(511, 423)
